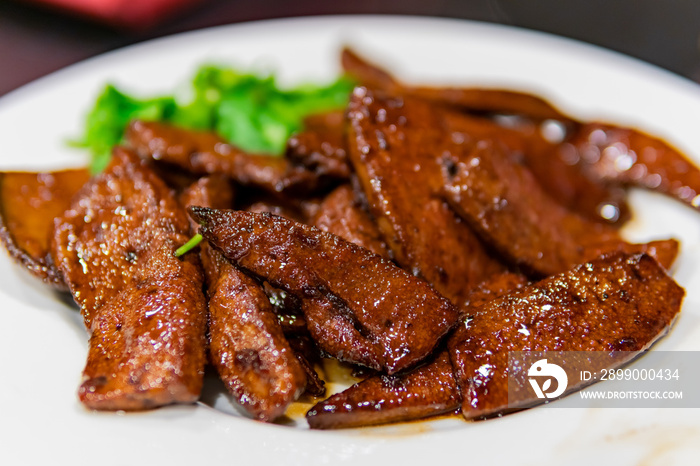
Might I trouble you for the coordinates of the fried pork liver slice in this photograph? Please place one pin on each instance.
(503, 202)
(29, 203)
(573, 187)
(396, 146)
(246, 343)
(288, 308)
(115, 248)
(568, 184)
(632, 158)
(248, 348)
(426, 391)
(203, 152)
(618, 302)
(359, 307)
(147, 343)
(474, 99)
(99, 242)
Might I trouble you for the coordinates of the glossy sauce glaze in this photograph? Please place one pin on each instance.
(614, 303)
(246, 343)
(29, 203)
(359, 307)
(321, 146)
(396, 146)
(632, 158)
(502, 201)
(144, 308)
(203, 152)
(426, 391)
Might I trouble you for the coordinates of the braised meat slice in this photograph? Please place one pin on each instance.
(396, 146)
(359, 307)
(473, 99)
(29, 203)
(147, 347)
(524, 140)
(577, 190)
(367, 73)
(340, 213)
(632, 158)
(321, 146)
(287, 307)
(291, 318)
(503, 202)
(99, 242)
(426, 391)
(144, 307)
(204, 152)
(618, 302)
(246, 343)
(248, 347)
(606, 156)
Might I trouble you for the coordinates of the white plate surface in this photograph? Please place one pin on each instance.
(43, 343)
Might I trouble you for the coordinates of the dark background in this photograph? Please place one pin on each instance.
(35, 41)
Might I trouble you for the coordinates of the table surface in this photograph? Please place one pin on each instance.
(35, 41)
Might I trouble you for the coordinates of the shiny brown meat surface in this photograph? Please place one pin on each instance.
(288, 307)
(474, 99)
(571, 187)
(295, 329)
(248, 348)
(359, 307)
(568, 184)
(203, 152)
(630, 157)
(367, 73)
(147, 347)
(246, 343)
(321, 145)
(291, 318)
(209, 191)
(614, 303)
(29, 203)
(341, 214)
(597, 200)
(144, 307)
(100, 240)
(396, 146)
(426, 391)
(503, 202)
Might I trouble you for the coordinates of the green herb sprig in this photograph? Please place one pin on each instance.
(252, 112)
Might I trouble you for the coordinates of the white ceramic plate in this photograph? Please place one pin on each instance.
(43, 343)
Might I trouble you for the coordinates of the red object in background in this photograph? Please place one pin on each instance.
(129, 14)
